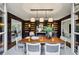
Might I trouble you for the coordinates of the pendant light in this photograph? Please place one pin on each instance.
(32, 19)
(41, 19)
(50, 20)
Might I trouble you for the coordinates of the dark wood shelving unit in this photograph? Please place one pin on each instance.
(49, 23)
(33, 25)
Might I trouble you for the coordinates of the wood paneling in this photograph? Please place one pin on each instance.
(64, 18)
(11, 16)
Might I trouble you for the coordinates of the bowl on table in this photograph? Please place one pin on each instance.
(34, 37)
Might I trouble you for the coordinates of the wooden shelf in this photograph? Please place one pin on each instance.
(31, 28)
(1, 33)
(76, 33)
(1, 10)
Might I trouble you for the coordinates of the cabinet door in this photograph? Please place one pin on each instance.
(1, 28)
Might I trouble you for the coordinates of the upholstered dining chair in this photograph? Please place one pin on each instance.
(33, 48)
(21, 47)
(52, 49)
(1, 49)
(62, 45)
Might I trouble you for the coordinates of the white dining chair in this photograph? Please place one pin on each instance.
(52, 49)
(21, 47)
(62, 45)
(1, 49)
(33, 48)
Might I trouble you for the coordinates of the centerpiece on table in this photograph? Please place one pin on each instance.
(49, 30)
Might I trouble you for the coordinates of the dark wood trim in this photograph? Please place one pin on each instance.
(11, 16)
(77, 13)
(64, 18)
(14, 17)
(68, 44)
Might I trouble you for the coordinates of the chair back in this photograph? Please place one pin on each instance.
(20, 47)
(33, 48)
(52, 49)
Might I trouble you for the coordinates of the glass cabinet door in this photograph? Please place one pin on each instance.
(76, 39)
(76, 32)
(1, 29)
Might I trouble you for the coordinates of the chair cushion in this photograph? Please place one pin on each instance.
(52, 48)
(33, 48)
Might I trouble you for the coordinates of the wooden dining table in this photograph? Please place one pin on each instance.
(41, 40)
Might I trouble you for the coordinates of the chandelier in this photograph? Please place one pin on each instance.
(41, 19)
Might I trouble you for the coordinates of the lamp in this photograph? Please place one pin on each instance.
(50, 20)
(41, 19)
(32, 19)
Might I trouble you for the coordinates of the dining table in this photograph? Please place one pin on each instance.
(41, 40)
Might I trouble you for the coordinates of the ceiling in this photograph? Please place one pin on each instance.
(23, 11)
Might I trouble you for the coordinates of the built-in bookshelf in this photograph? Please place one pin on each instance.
(26, 27)
(49, 23)
(55, 24)
(31, 26)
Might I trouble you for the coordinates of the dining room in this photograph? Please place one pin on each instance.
(39, 29)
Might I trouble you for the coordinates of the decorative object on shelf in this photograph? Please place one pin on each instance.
(52, 25)
(29, 25)
(40, 27)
